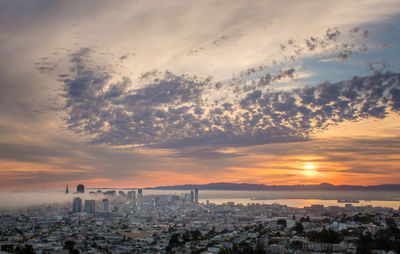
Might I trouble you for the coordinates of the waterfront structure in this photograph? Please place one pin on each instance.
(80, 188)
(77, 205)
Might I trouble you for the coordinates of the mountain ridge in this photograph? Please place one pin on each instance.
(263, 187)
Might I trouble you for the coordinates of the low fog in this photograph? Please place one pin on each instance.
(16, 200)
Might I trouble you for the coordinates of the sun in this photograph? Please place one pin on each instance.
(309, 169)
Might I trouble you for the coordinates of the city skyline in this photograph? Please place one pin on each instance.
(142, 94)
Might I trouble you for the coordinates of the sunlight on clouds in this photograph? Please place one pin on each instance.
(309, 169)
(217, 122)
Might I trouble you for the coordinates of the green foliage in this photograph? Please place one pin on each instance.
(69, 245)
(305, 219)
(174, 240)
(383, 240)
(325, 236)
(391, 223)
(186, 236)
(196, 234)
(298, 228)
(75, 251)
(365, 219)
(260, 248)
(296, 245)
(282, 222)
(27, 249)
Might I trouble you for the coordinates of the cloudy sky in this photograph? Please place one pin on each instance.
(146, 93)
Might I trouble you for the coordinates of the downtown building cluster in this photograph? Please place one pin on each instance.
(131, 222)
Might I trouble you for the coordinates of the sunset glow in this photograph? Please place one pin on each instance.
(138, 94)
(309, 169)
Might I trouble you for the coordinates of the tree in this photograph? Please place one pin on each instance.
(325, 236)
(298, 228)
(69, 245)
(75, 251)
(196, 234)
(296, 245)
(174, 240)
(282, 222)
(27, 249)
(391, 223)
(305, 219)
(260, 248)
(186, 236)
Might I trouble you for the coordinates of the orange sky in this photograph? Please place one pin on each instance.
(351, 153)
(149, 93)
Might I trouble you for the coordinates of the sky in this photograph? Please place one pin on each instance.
(147, 93)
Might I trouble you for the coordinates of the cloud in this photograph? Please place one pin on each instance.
(111, 97)
(174, 111)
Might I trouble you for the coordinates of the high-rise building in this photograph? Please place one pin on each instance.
(77, 205)
(196, 196)
(66, 189)
(90, 206)
(105, 205)
(140, 193)
(80, 188)
(191, 196)
(132, 195)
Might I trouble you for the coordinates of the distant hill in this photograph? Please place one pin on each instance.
(263, 187)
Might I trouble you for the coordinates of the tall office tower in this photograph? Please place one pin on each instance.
(105, 205)
(140, 193)
(132, 195)
(66, 189)
(196, 196)
(187, 198)
(90, 206)
(191, 196)
(77, 205)
(80, 188)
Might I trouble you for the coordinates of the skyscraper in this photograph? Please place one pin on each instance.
(77, 205)
(132, 195)
(196, 196)
(191, 196)
(106, 206)
(80, 188)
(90, 206)
(66, 189)
(140, 193)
